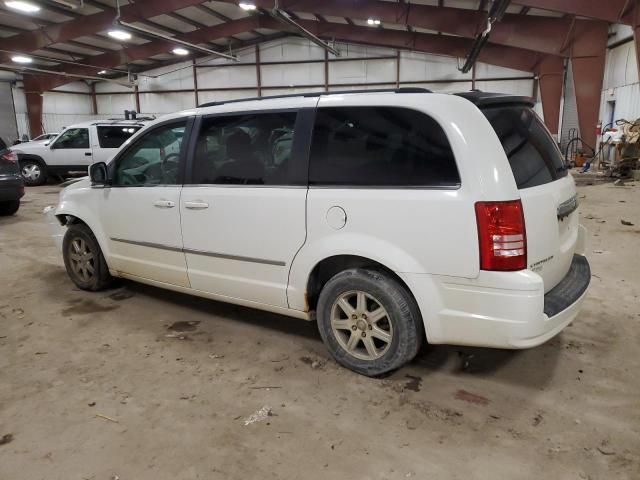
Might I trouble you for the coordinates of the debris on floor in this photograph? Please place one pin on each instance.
(258, 416)
(7, 438)
(627, 223)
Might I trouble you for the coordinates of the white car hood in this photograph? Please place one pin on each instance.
(30, 148)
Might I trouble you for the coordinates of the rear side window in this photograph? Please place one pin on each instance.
(248, 149)
(534, 156)
(113, 136)
(380, 147)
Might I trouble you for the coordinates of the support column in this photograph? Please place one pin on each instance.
(195, 83)
(326, 71)
(258, 71)
(550, 74)
(397, 68)
(634, 16)
(33, 95)
(588, 54)
(137, 95)
(94, 99)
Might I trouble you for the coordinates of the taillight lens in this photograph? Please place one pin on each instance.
(501, 235)
(10, 156)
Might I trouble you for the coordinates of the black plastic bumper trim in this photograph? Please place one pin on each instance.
(570, 288)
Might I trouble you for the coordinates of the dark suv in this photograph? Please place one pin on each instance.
(11, 184)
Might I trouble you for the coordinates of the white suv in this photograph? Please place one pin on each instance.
(390, 217)
(77, 147)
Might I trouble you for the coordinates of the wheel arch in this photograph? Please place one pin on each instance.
(328, 267)
(30, 156)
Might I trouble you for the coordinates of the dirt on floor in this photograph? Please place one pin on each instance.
(140, 383)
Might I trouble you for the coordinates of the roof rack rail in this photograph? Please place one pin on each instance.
(318, 94)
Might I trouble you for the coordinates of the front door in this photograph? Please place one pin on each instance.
(71, 151)
(140, 211)
(243, 216)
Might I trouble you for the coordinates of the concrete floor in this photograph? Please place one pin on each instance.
(107, 385)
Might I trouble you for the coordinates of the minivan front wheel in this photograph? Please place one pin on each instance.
(83, 259)
(369, 321)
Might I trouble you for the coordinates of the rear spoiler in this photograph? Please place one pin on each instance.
(485, 99)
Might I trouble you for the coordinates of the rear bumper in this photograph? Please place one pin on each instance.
(11, 189)
(500, 309)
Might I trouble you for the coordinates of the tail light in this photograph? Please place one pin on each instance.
(501, 235)
(10, 156)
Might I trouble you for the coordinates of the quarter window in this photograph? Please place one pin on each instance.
(380, 147)
(113, 136)
(73, 138)
(154, 159)
(250, 149)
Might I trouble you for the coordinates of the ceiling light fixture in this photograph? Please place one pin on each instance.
(119, 34)
(22, 6)
(373, 21)
(181, 51)
(102, 72)
(247, 6)
(21, 59)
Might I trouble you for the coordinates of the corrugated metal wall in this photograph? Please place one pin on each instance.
(8, 130)
(570, 126)
(220, 81)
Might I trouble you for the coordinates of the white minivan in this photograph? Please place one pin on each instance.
(390, 217)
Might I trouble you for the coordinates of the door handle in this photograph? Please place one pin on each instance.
(196, 205)
(164, 204)
(87, 154)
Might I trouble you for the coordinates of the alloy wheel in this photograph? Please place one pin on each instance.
(361, 325)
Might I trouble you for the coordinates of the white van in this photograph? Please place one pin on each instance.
(390, 217)
(73, 150)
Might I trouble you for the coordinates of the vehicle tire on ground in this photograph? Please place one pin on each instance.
(83, 259)
(33, 172)
(9, 208)
(369, 322)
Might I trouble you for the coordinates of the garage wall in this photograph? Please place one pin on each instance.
(170, 89)
(621, 91)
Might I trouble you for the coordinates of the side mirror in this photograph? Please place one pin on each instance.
(51, 145)
(99, 174)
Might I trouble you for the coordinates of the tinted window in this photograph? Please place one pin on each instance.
(252, 149)
(113, 136)
(380, 146)
(73, 138)
(534, 156)
(154, 159)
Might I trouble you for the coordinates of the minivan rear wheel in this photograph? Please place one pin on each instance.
(369, 321)
(83, 259)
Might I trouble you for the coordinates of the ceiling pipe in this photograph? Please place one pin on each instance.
(70, 4)
(496, 12)
(22, 69)
(70, 62)
(285, 18)
(193, 46)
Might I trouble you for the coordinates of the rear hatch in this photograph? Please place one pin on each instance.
(547, 191)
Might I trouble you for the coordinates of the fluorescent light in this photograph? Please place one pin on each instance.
(21, 59)
(102, 72)
(119, 34)
(22, 6)
(247, 6)
(373, 21)
(181, 51)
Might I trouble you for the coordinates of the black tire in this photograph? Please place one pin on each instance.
(9, 208)
(99, 278)
(403, 316)
(29, 165)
